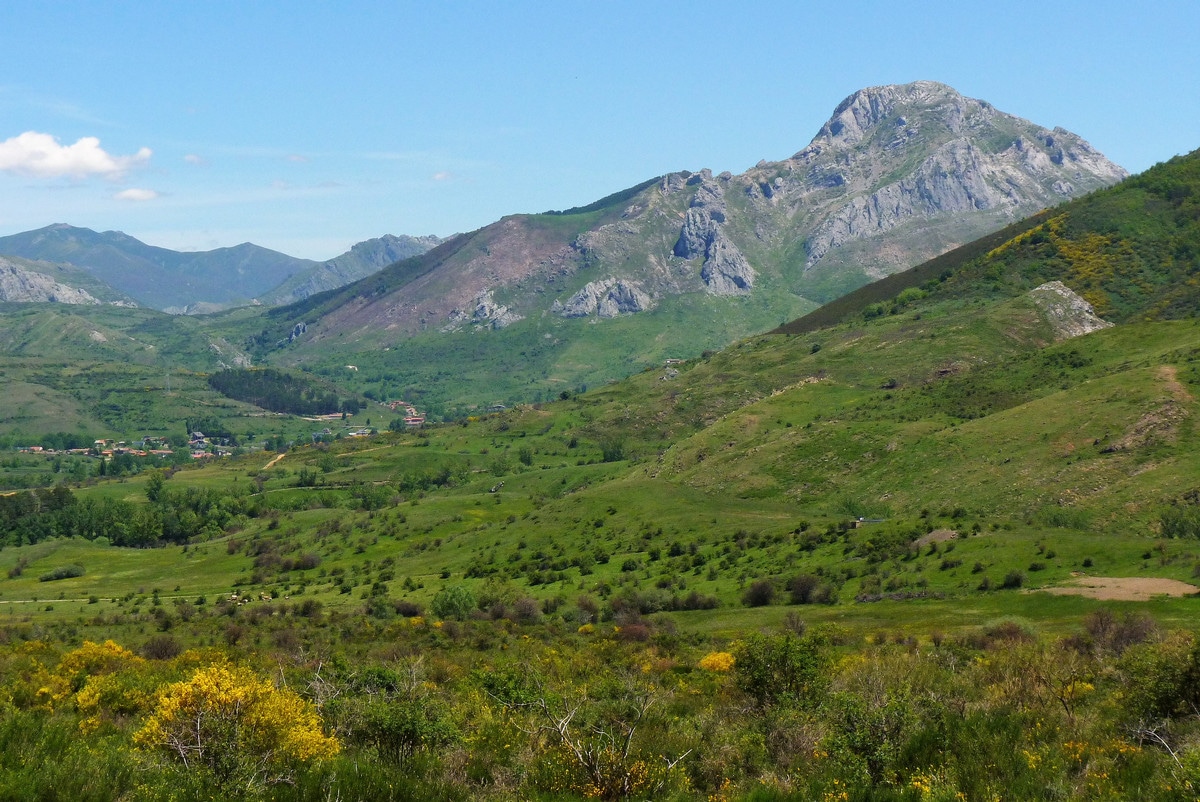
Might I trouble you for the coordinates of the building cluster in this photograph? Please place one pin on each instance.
(412, 418)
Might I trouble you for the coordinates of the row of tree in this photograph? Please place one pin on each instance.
(277, 391)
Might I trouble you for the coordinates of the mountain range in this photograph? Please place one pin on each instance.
(201, 281)
(946, 524)
(536, 304)
(691, 261)
(897, 175)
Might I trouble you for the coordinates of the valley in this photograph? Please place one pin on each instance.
(938, 538)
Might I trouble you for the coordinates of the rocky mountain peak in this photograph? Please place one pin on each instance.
(898, 175)
(856, 116)
(905, 156)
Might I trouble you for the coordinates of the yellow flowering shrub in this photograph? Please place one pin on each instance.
(236, 725)
(97, 658)
(107, 696)
(717, 661)
(50, 688)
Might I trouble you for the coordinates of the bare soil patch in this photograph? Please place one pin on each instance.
(1123, 588)
(936, 536)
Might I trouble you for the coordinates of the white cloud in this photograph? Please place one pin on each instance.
(41, 156)
(199, 161)
(135, 194)
(442, 176)
(297, 158)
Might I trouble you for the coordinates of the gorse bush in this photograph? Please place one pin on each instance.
(237, 727)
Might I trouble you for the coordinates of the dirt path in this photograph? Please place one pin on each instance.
(1170, 377)
(271, 464)
(1128, 588)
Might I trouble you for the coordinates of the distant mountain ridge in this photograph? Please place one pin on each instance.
(360, 261)
(203, 281)
(159, 277)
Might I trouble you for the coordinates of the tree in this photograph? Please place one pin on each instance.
(154, 486)
(236, 727)
(456, 601)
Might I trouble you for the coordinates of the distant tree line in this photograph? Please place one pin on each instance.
(173, 516)
(277, 391)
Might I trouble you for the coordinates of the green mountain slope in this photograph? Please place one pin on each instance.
(689, 262)
(1130, 250)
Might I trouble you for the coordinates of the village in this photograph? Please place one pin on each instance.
(200, 446)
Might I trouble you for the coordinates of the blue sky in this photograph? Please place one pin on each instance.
(307, 127)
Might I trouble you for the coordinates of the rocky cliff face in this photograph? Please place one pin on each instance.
(896, 176)
(25, 286)
(725, 270)
(607, 298)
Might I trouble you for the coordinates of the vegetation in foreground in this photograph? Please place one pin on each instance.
(297, 703)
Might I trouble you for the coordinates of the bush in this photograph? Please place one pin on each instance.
(1182, 518)
(783, 668)
(1108, 633)
(1013, 580)
(759, 594)
(408, 609)
(161, 647)
(811, 589)
(612, 450)
(62, 572)
(236, 727)
(455, 602)
(397, 729)
(717, 662)
(306, 561)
